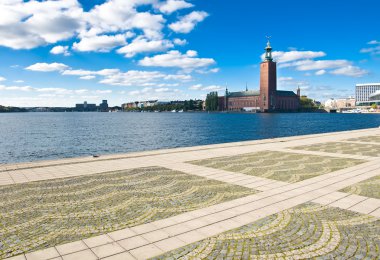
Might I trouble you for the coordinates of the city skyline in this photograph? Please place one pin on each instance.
(57, 53)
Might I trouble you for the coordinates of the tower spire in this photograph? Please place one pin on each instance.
(246, 86)
(268, 50)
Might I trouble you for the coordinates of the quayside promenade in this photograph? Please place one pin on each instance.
(287, 198)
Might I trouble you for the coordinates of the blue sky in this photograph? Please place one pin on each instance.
(58, 53)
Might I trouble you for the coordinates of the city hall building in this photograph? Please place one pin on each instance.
(367, 94)
(268, 98)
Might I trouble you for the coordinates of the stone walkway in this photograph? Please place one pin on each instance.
(200, 232)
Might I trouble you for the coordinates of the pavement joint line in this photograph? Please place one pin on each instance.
(262, 207)
(366, 198)
(345, 177)
(327, 154)
(358, 142)
(184, 150)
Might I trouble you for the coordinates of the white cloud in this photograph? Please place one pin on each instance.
(17, 81)
(320, 72)
(206, 88)
(142, 45)
(2, 79)
(175, 59)
(101, 43)
(285, 79)
(53, 91)
(208, 71)
(26, 25)
(171, 6)
(60, 50)
(351, 71)
(16, 88)
(187, 23)
(103, 91)
(305, 65)
(374, 42)
(88, 77)
(47, 67)
(79, 72)
(372, 50)
(282, 57)
(182, 77)
(180, 42)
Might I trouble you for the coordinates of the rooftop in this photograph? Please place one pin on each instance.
(368, 84)
(300, 197)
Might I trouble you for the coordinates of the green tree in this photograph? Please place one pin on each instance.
(374, 106)
(307, 103)
(212, 101)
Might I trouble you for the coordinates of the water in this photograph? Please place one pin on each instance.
(42, 136)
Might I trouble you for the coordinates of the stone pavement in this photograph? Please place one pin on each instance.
(326, 175)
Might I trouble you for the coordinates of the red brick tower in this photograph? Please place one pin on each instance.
(268, 81)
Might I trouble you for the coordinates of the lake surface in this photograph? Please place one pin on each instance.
(42, 136)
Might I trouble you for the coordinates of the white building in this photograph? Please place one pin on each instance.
(364, 93)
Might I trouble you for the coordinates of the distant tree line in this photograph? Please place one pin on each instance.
(4, 109)
(212, 101)
(307, 104)
(187, 105)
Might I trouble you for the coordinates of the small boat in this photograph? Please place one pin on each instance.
(180, 111)
(174, 111)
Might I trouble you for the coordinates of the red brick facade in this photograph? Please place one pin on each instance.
(268, 99)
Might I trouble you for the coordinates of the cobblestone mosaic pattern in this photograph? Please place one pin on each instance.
(344, 148)
(369, 139)
(287, 167)
(307, 231)
(368, 188)
(42, 214)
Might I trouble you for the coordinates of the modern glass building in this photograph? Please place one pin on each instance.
(364, 94)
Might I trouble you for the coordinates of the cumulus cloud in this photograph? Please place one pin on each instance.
(53, 91)
(351, 71)
(26, 25)
(374, 50)
(30, 24)
(2, 78)
(320, 72)
(143, 45)
(16, 88)
(188, 22)
(305, 65)
(171, 6)
(180, 42)
(101, 43)
(89, 77)
(64, 50)
(174, 59)
(282, 57)
(206, 88)
(47, 67)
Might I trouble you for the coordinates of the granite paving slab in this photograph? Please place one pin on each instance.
(280, 166)
(306, 231)
(42, 214)
(368, 188)
(343, 148)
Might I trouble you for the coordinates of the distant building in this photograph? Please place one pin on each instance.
(142, 104)
(375, 98)
(103, 107)
(268, 98)
(341, 103)
(366, 94)
(85, 107)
